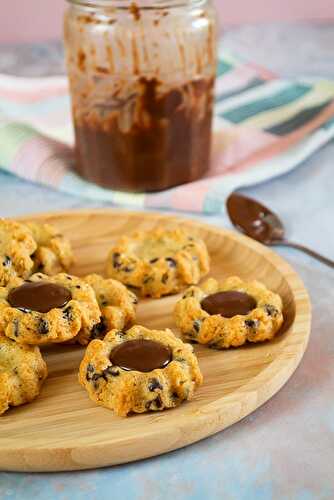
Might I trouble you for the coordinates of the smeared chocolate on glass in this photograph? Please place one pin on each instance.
(40, 296)
(228, 304)
(142, 78)
(141, 355)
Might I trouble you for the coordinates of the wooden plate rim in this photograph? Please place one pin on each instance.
(213, 409)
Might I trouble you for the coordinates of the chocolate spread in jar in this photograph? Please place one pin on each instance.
(167, 141)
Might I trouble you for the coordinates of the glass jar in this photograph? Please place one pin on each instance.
(142, 85)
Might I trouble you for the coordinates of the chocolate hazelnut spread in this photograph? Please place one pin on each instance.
(141, 355)
(142, 80)
(168, 143)
(40, 296)
(254, 219)
(228, 304)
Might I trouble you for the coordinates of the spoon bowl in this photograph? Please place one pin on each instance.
(258, 222)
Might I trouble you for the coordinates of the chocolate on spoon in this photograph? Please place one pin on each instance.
(258, 222)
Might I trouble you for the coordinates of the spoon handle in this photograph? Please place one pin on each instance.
(302, 248)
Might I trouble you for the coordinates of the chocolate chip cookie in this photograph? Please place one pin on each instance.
(22, 373)
(46, 309)
(53, 254)
(229, 314)
(139, 370)
(158, 262)
(17, 246)
(117, 305)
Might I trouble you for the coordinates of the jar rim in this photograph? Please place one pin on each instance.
(140, 4)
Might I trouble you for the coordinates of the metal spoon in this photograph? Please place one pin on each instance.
(258, 222)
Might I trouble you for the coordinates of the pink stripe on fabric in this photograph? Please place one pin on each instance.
(236, 79)
(33, 94)
(31, 160)
(261, 72)
(191, 196)
(232, 146)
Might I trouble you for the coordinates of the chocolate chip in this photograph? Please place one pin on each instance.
(99, 330)
(164, 278)
(271, 310)
(69, 278)
(197, 325)
(78, 286)
(89, 372)
(16, 327)
(111, 370)
(175, 395)
(154, 384)
(171, 262)
(7, 261)
(153, 261)
(115, 260)
(68, 314)
(43, 326)
(250, 323)
(104, 303)
(158, 402)
(128, 269)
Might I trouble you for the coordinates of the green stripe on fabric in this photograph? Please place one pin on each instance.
(251, 109)
(328, 124)
(298, 120)
(223, 67)
(12, 136)
(256, 82)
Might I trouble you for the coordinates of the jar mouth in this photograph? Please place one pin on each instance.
(140, 4)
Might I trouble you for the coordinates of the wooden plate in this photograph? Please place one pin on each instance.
(64, 430)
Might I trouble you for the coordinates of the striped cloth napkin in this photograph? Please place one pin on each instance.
(264, 127)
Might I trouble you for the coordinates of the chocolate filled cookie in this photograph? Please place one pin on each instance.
(139, 370)
(53, 254)
(45, 309)
(229, 314)
(158, 262)
(117, 305)
(22, 373)
(17, 246)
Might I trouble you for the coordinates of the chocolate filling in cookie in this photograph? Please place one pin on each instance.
(229, 304)
(141, 355)
(40, 296)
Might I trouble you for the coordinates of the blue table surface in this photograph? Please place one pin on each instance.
(286, 448)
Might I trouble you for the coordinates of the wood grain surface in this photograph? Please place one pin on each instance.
(64, 430)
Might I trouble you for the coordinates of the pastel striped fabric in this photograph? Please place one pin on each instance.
(264, 127)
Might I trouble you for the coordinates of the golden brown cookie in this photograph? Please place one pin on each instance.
(158, 262)
(22, 373)
(117, 305)
(139, 370)
(54, 253)
(16, 248)
(252, 313)
(46, 309)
